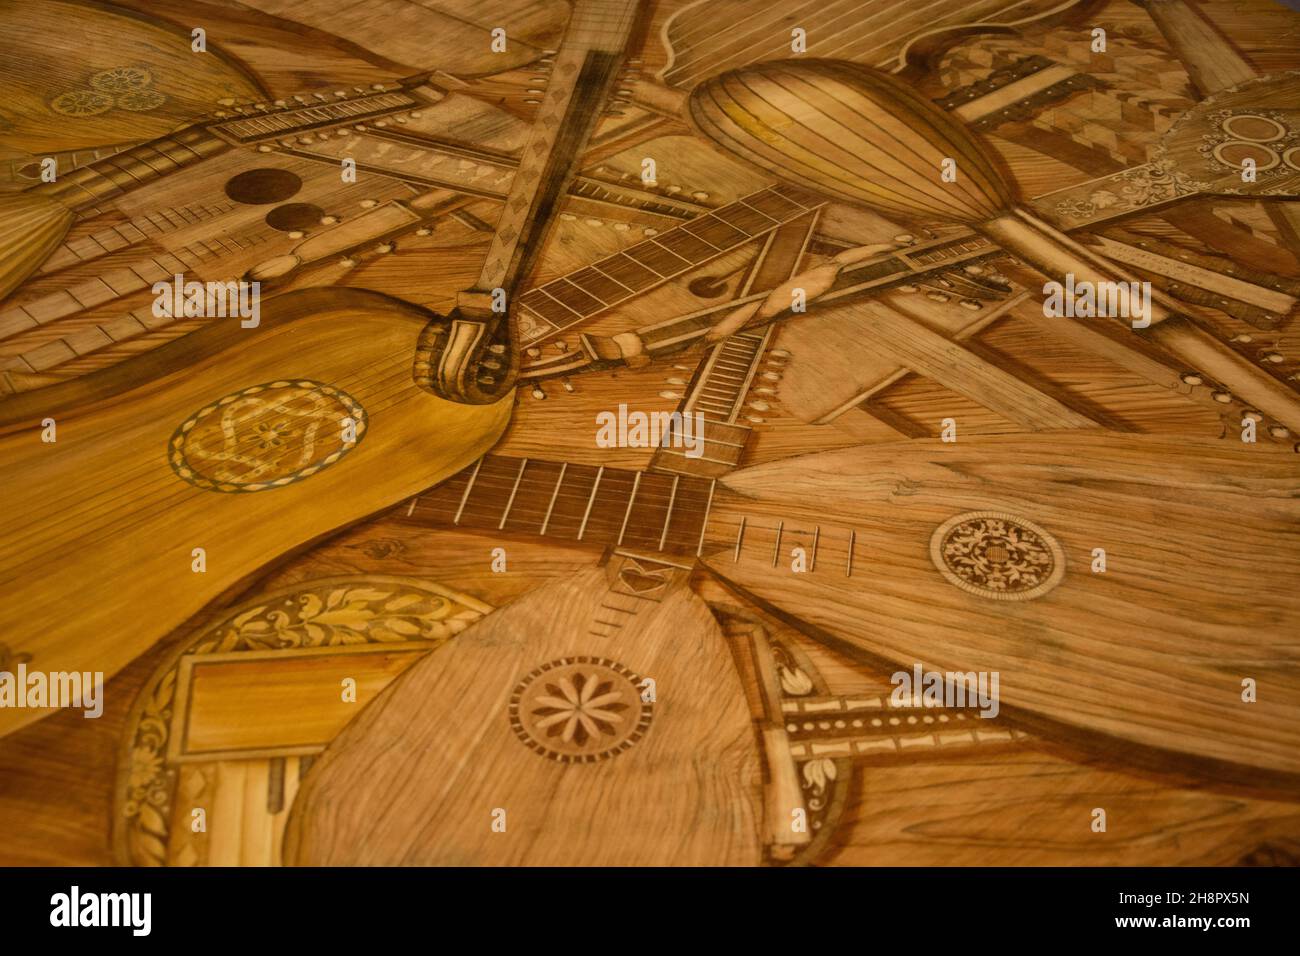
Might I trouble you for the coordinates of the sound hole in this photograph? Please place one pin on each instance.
(294, 217)
(998, 556)
(257, 187)
(267, 436)
(579, 710)
(1235, 154)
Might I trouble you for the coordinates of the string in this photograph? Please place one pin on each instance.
(382, 401)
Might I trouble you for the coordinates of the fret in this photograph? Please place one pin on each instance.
(554, 494)
(572, 297)
(715, 232)
(704, 522)
(799, 195)
(630, 502)
(745, 219)
(488, 491)
(626, 272)
(648, 512)
(571, 487)
(590, 501)
(683, 244)
(668, 517)
(251, 129)
(465, 497)
(772, 204)
(655, 257)
(551, 310)
(601, 286)
(586, 292)
(514, 490)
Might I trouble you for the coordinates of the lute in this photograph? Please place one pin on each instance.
(166, 481)
(923, 551)
(913, 554)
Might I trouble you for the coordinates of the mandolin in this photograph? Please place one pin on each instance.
(176, 475)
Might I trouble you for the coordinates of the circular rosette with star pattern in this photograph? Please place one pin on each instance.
(267, 436)
(579, 709)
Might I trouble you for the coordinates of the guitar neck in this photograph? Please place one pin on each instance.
(582, 77)
(643, 511)
(581, 295)
(112, 176)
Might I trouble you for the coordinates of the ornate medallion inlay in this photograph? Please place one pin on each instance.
(338, 613)
(579, 709)
(998, 556)
(266, 436)
(126, 87)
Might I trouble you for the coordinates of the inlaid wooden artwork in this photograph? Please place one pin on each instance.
(649, 433)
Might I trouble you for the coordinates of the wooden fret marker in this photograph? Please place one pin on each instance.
(465, 497)
(554, 494)
(708, 506)
(776, 548)
(848, 567)
(513, 491)
(636, 483)
(672, 498)
(590, 501)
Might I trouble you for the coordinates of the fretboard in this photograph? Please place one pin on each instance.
(642, 511)
(579, 296)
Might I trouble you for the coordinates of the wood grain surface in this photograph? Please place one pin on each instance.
(683, 794)
(1119, 690)
(1152, 652)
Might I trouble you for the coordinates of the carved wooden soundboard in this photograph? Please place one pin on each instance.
(633, 413)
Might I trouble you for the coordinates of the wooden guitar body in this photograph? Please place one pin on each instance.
(535, 720)
(985, 555)
(245, 443)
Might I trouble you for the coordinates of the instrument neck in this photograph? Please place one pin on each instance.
(643, 511)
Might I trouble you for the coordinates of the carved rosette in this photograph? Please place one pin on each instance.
(126, 87)
(579, 709)
(999, 556)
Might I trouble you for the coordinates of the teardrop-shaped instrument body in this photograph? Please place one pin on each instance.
(176, 475)
(1124, 587)
(528, 740)
(852, 133)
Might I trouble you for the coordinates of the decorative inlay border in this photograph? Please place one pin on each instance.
(328, 612)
